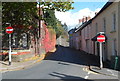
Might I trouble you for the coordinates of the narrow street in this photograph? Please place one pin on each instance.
(65, 63)
(60, 40)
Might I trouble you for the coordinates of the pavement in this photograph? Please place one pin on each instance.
(94, 64)
(20, 65)
(104, 71)
(92, 61)
(23, 64)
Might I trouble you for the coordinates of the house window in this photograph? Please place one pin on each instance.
(113, 22)
(114, 51)
(14, 40)
(96, 28)
(24, 40)
(84, 33)
(80, 45)
(104, 24)
(80, 33)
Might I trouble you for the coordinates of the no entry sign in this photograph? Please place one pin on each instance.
(9, 30)
(101, 38)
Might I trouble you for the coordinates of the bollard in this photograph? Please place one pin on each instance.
(116, 62)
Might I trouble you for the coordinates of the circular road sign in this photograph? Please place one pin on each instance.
(9, 30)
(101, 38)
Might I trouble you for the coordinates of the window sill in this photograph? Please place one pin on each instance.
(113, 31)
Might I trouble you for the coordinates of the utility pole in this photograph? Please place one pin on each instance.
(39, 29)
(39, 18)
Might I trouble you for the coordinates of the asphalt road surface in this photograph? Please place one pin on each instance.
(65, 63)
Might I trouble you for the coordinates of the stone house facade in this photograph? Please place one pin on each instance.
(107, 20)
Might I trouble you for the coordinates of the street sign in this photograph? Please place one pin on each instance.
(9, 30)
(101, 38)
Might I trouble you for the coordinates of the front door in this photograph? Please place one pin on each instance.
(105, 51)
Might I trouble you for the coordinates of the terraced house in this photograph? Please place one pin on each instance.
(107, 20)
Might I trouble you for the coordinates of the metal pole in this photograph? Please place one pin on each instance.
(39, 21)
(39, 42)
(9, 49)
(101, 63)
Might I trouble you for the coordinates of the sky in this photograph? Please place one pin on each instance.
(71, 17)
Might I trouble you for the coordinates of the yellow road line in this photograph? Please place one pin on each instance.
(87, 70)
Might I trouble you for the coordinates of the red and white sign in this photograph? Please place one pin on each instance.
(101, 38)
(9, 30)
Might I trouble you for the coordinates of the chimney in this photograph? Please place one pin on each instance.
(86, 19)
(96, 13)
(80, 20)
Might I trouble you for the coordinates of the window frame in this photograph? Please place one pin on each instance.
(113, 29)
(104, 24)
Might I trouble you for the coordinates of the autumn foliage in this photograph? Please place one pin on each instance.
(49, 40)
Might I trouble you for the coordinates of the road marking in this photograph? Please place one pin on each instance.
(88, 72)
(86, 77)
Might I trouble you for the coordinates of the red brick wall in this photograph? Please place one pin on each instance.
(44, 44)
(49, 41)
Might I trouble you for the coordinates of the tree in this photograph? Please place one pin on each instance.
(50, 19)
(59, 6)
(65, 27)
(18, 13)
(54, 23)
(49, 14)
(25, 15)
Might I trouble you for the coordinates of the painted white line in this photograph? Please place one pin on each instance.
(88, 72)
(86, 77)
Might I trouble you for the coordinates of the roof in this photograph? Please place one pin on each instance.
(104, 7)
(73, 30)
(86, 23)
(77, 26)
(83, 25)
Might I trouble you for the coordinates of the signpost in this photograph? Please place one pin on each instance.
(101, 39)
(9, 30)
